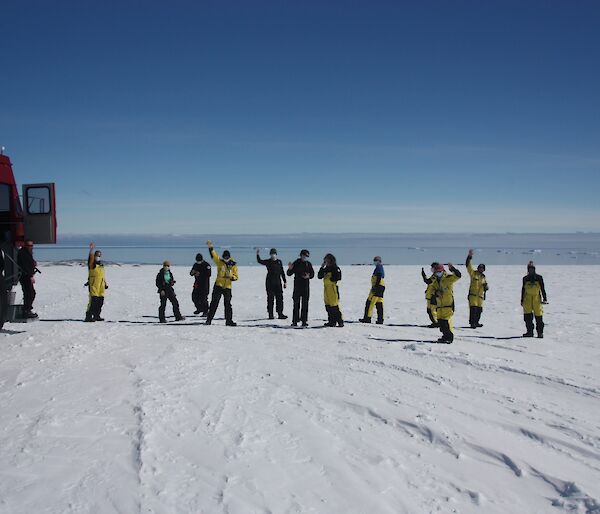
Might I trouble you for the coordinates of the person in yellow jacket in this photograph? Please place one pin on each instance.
(96, 285)
(375, 298)
(227, 272)
(443, 299)
(477, 291)
(331, 274)
(533, 297)
(431, 309)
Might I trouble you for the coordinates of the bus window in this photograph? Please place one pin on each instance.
(38, 200)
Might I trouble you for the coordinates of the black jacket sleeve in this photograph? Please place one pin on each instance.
(160, 281)
(523, 290)
(311, 271)
(261, 261)
(456, 272)
(282, 273)
(321, 272)
(544, 296)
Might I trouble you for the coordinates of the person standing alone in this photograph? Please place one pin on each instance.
(431, 310)
(27, 269)
(303, 272)
(96, 285)
(227, 272)
(375, 298)
(477, 291)
(331, 274)
(443, 297)
(273, 282)
(533, 296)
(164, 283)
(201, 271)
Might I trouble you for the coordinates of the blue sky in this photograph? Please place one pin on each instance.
(274, 117)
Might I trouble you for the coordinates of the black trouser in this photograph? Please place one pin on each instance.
(334, 315)
(94, 308)
(539, 324)
(216, 299)
(274, 296)
(300, 300)
(474, 315)
(447, 334)
(169, 295)
(28, 292)
(200, 299)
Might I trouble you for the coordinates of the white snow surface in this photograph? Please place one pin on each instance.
(131, 416)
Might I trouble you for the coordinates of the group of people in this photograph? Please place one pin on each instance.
(439, 292)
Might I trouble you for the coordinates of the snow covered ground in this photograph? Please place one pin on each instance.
(131, 416)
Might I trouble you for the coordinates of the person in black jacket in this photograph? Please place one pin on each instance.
(27, 269)
(201, 271)
(273, 282)
(303, 272)
(164, 283)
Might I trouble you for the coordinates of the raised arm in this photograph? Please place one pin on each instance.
(423, 276)
(213, 254)
(91, 258)
(456, 273)
(469, 264)
(291, 269)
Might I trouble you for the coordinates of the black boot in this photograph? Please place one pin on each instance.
(528, 325)
(271, 315)
(379, 307)
(539, 325)
(338, 317)
(478, 317)
(366, 318)
(472, 315)
(330, 316)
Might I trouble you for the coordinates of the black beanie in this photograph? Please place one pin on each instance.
(273, 251)
(199, 257)
(226, 254)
